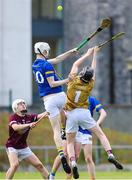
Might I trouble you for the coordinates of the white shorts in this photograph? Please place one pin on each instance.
(83, 138)
(21, 153)
(54, 103)
(79, 117)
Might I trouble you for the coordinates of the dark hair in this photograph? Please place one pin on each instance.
(86, 74)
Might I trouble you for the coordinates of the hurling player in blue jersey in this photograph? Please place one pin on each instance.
(50, 90)
(84, 136)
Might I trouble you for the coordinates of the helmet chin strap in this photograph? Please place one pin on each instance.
(41, 53)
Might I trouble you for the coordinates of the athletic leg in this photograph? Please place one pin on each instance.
(14, 163)
(87, 122)
(59, 144)
(71, 153)
(77, 147)
(63, 124)
(104, 141)
(77, 150)
(56, 130)
(85, 140)
(54, 105)
(87, 148)
(55, 167)
(71, 130)
(57, 163)
(33, 160)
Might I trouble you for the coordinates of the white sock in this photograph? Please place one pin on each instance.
(73, 163)
(51, 177)
(111, 155)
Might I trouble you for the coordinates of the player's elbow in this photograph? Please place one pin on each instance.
(76, 64)
(15, 127)
(52, 84)
(74, 69)
(104, 114)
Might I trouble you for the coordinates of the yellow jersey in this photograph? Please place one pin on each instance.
(77, 93)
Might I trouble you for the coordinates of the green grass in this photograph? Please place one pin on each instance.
(121, 175)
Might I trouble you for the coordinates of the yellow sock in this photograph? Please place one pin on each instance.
(60, 151)
(53, 172)
(62, 126)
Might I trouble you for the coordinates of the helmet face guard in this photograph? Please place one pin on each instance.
(46, 55)
(23, 112)
(86, 74)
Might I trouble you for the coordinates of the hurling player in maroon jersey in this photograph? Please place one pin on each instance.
(20, 124)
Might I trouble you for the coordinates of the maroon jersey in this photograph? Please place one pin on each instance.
(17, 139)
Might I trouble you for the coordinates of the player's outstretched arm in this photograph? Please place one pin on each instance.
(42, 115)
(18, 127)
(102, 116)
(63, 56)
(93, 65)
(76, 64)
(54, 83)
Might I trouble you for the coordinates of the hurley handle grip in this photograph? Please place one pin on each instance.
(82, 44)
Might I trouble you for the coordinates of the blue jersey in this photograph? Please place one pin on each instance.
(42, 69)
(94, 105)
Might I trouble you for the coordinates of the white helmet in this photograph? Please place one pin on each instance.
(15, 104)
(40, 47)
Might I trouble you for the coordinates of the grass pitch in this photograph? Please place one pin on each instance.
(113, 175)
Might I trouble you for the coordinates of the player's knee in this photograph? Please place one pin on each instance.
(57, 131)
(39, 166)
(88, 159)
(15, 165)
(57, 137)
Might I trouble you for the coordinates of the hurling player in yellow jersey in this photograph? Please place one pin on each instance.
(78, 114)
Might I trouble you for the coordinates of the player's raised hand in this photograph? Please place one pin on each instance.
(90, 51)
(96, 48)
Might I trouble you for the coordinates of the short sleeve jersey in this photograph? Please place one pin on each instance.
(42, 69)
(17, 139)
(77, 93)
(94, 105)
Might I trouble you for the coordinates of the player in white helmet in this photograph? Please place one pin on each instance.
(50, 90)
(42, 48)
(17, 149)
(17, 109)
